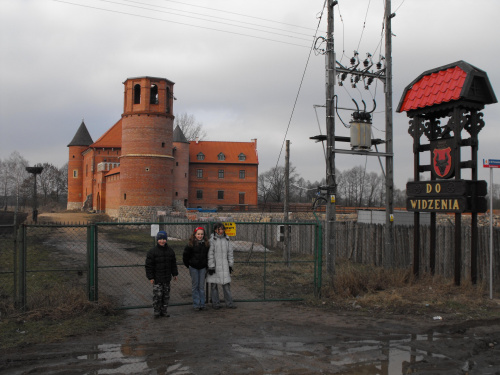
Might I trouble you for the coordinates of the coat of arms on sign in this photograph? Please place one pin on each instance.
(443, 158)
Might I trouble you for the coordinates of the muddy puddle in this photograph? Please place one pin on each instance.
(268, 338)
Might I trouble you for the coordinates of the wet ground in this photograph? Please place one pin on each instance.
(269, 338)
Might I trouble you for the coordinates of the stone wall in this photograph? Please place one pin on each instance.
(141, 213)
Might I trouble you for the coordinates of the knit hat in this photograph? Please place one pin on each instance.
(199, 228)
(161, 235)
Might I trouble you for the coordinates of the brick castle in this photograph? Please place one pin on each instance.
(142, 167)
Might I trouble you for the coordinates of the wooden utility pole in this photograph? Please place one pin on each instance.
(286, 234)
(330, 131)
(389, 260)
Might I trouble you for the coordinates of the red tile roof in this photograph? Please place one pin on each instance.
(456, 81)
(436, 88)
(115, 170)
(231, 151)
(111, 139)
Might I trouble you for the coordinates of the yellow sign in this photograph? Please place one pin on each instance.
(230, 229)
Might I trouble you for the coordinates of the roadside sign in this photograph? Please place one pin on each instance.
(491, 163)
(230, 228)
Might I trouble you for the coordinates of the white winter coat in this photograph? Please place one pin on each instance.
(220, 258)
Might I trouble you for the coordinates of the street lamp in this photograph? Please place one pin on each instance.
(34, 171)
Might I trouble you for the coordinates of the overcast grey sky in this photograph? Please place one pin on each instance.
(237, 67)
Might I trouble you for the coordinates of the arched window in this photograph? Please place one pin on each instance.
(153, 98)
(200, 156)
(137, 94)
(221, 156)
(242, 157)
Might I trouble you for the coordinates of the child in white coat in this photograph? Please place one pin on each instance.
(220, 266)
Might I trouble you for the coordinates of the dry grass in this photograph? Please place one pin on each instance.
(54, 315)
(370, 289)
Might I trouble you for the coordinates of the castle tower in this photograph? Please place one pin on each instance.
(146, 162)
(80, 142)
(180, 189)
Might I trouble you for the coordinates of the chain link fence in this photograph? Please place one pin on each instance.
(7, 260)
(106, 260)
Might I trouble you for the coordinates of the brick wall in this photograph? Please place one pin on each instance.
(181, 173)
(75, 187)
(231, 184)
(112, 195)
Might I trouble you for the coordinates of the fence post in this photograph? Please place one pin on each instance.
(318, 259)
(20, 270)
(92, 262)
(265, 258)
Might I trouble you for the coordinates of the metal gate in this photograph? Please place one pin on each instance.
(106, 260)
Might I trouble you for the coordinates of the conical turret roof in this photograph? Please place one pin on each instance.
(82, 137)
(179, 135)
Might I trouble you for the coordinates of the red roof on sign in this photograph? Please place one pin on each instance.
(437, 88)
(449, 83)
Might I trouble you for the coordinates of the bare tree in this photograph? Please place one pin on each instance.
(190, 127)
(62, 182)
(16, 174)
(47, 181)
(4, 182)
(373, 184)
(272, 183)
(298, 191)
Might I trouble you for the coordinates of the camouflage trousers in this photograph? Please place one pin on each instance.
(161, 296)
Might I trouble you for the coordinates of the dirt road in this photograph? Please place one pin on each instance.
(269, 338)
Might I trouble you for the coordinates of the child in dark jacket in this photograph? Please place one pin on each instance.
(161, 266)
(195, 258)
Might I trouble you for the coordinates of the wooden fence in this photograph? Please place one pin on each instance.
(364, 243)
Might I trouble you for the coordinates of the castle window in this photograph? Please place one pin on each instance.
(242, 174)
(153, 98)
(176, 163)
(137, 94)
(220, 194)
(162, 144)
(86, 170)
(199, 194)
(176, 193)
(221, 173)
(199, 173)
(242, 157)
(221, 156)
(125, 196)
(75, 173)
(147, 169)
(200, 156)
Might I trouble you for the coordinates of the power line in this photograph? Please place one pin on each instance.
(364, 24)
(239, 14)
(221, 18)
(206, 19)
(300, 85)
(179, 23)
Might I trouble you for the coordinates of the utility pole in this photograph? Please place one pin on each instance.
(360, 72)
(330, 142)
(389, 165)
(286, 238)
